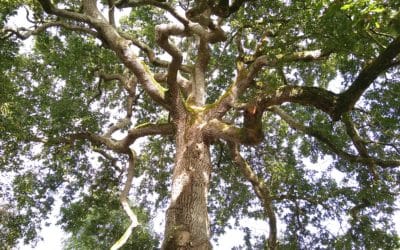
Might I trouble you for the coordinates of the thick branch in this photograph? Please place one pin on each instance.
(111, 13)
(151, 55)
(328, 141)
(359, 143)
(88, 136)
(124, 201)
(90, 9)
(159, 4)
(366, 77)
(51, 9)
(309, 96)
(122, 123)
(163, 33)
(247, 136)
(121, 46)
(118, 146)
(24, 33)
(245, 76)
(184, 84)
(262, 191)
(146, 130)
(200, 68)
(211, 36)
(111, 77)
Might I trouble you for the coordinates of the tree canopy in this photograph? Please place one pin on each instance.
(282, 111)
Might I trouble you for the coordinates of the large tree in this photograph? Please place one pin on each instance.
(282, 111)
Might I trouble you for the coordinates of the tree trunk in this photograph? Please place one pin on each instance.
(187, 223)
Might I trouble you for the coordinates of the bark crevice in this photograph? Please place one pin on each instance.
(187, 222)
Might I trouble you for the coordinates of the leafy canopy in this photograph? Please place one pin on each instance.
(328, 86)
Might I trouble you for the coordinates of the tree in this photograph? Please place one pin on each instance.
(234, 97)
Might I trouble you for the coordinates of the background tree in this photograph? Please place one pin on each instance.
(236, 99)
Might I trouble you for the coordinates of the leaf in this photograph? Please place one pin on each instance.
(347, 6)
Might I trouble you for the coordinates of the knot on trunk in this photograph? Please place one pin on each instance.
(179, 239)
(183, 239)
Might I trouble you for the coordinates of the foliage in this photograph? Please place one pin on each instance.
(97, 222)
(67, 90)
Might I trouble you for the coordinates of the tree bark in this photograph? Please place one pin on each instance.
(187, 223)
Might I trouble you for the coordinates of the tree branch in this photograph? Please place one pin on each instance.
(124, 201)
(111, 77)
(366, 77)
(151, 55)
(51, 9)
(163, 32)
(319, 98)
(122, 123)
(146, 130)
(200, 68)
(328, 141)
(111, 159)
(122, 47)
(161, 5)
(359, 144)
(262, 191)
(111, 13)
(245, 76)
(129, 84)
(183, 83)
(248, 135)
(118, 146)
(24, 33)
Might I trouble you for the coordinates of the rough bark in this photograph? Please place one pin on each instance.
(187, 222)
